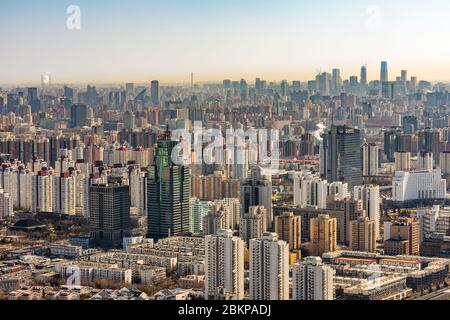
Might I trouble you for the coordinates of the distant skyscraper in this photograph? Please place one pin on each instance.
(109, 208)
(364, 75)
(224, 265)
(312, 280)
(243, 89)
(269, 268)
(336, 81)
(341, 155)
(129, 87)
(404, 76)
(33, 100)
(364, 83)
(168, 193)
(155, 92)
(78, 116)
(384, 75)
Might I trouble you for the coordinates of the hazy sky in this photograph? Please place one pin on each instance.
(141, 40)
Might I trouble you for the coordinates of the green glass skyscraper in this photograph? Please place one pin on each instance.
(168, 193)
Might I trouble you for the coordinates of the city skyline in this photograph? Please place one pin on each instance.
(141, 41)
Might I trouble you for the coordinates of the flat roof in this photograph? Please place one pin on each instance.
(400, 261)
(357, 260)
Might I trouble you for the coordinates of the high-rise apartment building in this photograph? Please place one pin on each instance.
(253, 224)
(371, 203)
(370, 159)
(323, 237)
(363, 237)
(288, 228)
(224, 265)
(403, 161)
(312, 280)
(269, 268)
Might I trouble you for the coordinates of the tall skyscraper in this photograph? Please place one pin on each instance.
(312, 280)
(33, 100)
(288, 228)
(224, 265)
(384, 75)
(109, 208)
(336, 81)
(341, 155)
(154, 91)
(42, 191)
(168, 192)
(323, 238)
(364, 75)
(78, 116)
(363, 237)
(364, 84)
(269, 268)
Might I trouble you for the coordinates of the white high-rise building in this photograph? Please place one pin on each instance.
(81, 194)
(253, 224)
(64, 186)
(6, 205)
(370, 158)
(311, 191)
(15, 179)
(42, 191)
(418, 185)
(224, 265)
(138, 190)
(269, 268)
(198, 211)
(312, 280)
(233, 206)
(240, 161)
(371, 201)
(64, 163)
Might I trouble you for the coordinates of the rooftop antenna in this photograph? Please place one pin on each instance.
(192, 81)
